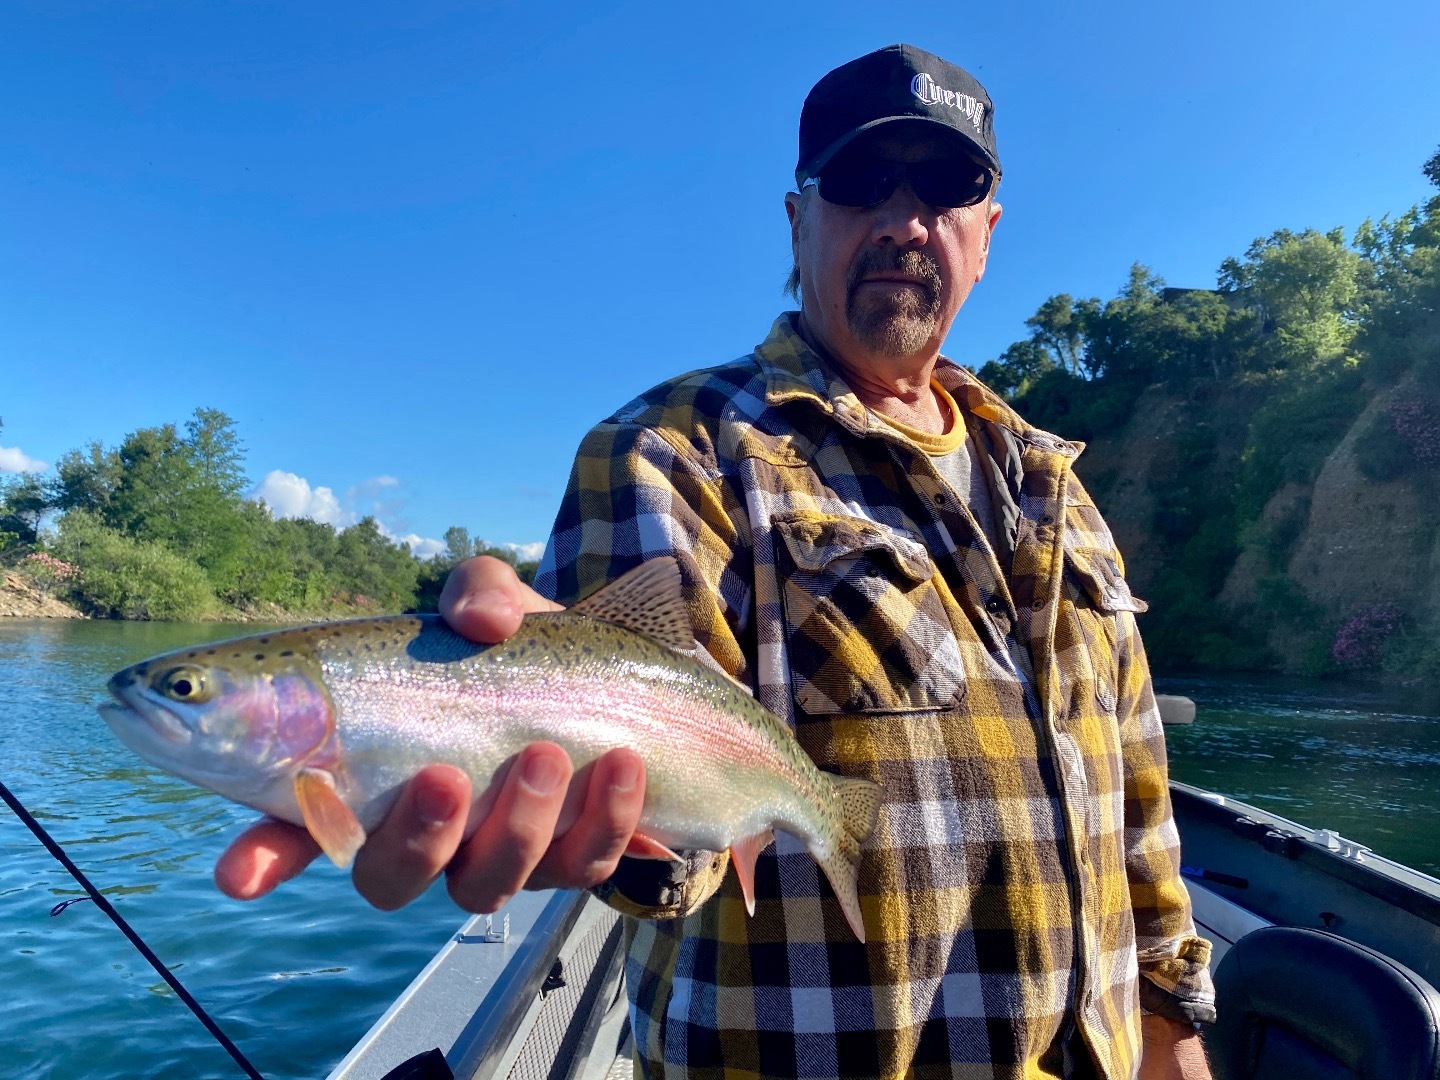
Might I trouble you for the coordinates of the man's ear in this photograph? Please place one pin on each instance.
(794, 211)
(990, 223)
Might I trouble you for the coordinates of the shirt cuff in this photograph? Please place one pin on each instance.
(1179, 986)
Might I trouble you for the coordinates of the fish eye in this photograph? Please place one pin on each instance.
(185, 684)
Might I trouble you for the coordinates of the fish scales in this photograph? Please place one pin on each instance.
(492, 703)
(323, 725)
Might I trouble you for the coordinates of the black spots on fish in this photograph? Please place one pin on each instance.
(264, 641)
(191, 655)
(209, 652)
(259, 656)
(288, 653)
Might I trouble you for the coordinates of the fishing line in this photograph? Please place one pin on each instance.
(119, 920)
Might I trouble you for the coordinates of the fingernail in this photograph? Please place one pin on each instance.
(625, 776)
(541, 774)
(436, 805)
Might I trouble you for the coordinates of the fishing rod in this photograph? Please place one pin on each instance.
(119, 920)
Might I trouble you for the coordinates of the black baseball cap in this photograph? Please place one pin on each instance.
(898, 82)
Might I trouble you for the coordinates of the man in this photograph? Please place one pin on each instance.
(914, 578)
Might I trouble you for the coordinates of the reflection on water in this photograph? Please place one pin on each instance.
(76, 1000)
(1360, 761)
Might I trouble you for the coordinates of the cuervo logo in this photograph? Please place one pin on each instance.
(929, 93)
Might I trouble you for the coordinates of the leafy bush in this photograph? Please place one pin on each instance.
(1295, 430)
(130, 579)
(1380, 452)
(1361, 642)
(1403, 438)
(1417, 422)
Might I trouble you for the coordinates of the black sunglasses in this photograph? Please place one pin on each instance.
(943, 184)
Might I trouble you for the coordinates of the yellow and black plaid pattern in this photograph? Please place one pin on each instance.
(1021, 892)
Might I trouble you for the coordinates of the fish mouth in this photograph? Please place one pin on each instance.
(123, 713)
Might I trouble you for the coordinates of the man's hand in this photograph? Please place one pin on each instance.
(1170, 1050)
(539, 825)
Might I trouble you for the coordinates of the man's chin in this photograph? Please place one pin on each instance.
(893, 334)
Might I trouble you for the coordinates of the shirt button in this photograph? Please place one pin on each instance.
(1048, 519)
(1037, 605)
(995, 605)
(939, 499)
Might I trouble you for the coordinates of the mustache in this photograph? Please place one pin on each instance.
(910, 262)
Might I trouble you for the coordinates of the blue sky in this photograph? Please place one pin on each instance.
(416, 249)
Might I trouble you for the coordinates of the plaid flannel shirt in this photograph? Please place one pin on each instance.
(1021, 891)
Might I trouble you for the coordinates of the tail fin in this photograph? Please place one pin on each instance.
(859, 805)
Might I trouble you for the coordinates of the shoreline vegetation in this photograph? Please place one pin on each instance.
(159, 528)
(1267, 453)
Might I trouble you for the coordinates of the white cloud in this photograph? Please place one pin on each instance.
(422, 547)
(290, 496)
(15, 460)
(528, 552)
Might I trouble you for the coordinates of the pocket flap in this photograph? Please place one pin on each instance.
(815, 541)
(1100, 579)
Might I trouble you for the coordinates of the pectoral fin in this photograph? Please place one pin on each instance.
(647, 847)
(332, 823)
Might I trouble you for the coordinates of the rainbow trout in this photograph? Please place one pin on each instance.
(322, 725)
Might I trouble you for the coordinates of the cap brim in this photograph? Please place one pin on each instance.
(971, 146)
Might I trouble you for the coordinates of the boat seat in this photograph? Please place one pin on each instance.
(1310, 1005)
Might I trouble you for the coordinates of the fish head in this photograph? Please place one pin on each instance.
(240, 725)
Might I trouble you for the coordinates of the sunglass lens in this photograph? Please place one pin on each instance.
(861, 185)
(942, 184)
(950, 183)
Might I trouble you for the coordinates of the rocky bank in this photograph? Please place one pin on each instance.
(21, 600)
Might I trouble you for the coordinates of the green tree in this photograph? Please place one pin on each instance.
(217, 452)
(372, 569)
(23, 502)
(1305, 287)
(85, 479)
(458, 545)
(1061, 327)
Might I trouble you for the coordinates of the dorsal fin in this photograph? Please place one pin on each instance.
(647, 600)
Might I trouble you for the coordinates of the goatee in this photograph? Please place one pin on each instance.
(899, 324)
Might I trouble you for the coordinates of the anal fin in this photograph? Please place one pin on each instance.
(333, 824)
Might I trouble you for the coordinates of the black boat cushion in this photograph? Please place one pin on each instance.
(1299, 1003)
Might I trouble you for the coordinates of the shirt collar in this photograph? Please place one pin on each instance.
(794, 372)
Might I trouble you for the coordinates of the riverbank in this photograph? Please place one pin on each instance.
(21, 600)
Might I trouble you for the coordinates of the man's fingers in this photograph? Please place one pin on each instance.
(264, 855)
(497, 861)
(588, 850)
(417, 838)
(484, 601)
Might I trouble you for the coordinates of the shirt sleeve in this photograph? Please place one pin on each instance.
(638, 492)
(1174, 961)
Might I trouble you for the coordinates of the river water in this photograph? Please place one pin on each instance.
(297, 977)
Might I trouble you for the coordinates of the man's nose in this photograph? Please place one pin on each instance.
(901, 219)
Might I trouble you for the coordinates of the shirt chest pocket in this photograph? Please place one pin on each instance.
(1098, 594)
(866, 629)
